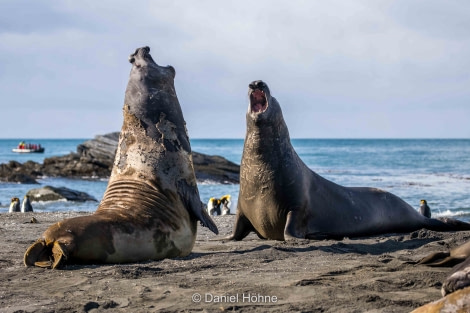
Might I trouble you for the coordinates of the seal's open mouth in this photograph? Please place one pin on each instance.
(258, 101)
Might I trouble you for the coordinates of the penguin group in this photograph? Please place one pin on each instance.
(24, 207)
(213, 206)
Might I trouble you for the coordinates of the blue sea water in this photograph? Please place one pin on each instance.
(437, 170)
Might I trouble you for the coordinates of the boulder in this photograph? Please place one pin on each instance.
(102, 147)
(215, 168)
(49, 193)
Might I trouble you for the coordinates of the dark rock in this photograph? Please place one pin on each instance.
(20, 178)
(15, 172)
(49, 193)
(103, 148)
(215, 168)
(94, 159)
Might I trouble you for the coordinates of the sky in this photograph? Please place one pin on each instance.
(339, 69)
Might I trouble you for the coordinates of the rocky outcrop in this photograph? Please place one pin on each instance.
(14, 172)
(94, 159)
(215, 168)
(102, 148)
(49, 193)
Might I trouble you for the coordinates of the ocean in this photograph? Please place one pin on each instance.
(437, 170)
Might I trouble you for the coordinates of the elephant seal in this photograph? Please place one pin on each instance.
(424, 209)
(458, 301)
(14, 205)
(26, 205)
(459, 257)
(280, 198)
(459, 278)
(448, 259)
(151, 205)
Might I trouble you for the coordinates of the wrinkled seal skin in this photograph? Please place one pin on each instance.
(151, 205)
(281, 198)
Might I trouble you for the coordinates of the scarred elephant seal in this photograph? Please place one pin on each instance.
(281, 198)
(459, 257)
(151, 205)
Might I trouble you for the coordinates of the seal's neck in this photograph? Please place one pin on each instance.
(267, 144)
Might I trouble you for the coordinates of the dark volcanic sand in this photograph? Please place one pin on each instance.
(359, 275)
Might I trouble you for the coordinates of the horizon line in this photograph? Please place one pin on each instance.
(242, 138)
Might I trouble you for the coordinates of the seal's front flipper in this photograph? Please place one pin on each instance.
(241, 229)
(291, 230)
(433, 258)
(190, 197)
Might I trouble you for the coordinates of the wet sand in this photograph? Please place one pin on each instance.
(374, 274)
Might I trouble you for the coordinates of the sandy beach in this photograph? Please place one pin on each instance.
(373, 274)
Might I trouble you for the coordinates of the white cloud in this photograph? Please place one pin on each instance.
(320, 58)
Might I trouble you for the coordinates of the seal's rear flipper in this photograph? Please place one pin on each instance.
(37, 253)
(446, 224)
(42, 255)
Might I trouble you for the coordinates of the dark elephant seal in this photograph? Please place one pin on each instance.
(14, 205)
(151, 205)
(281, 198)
